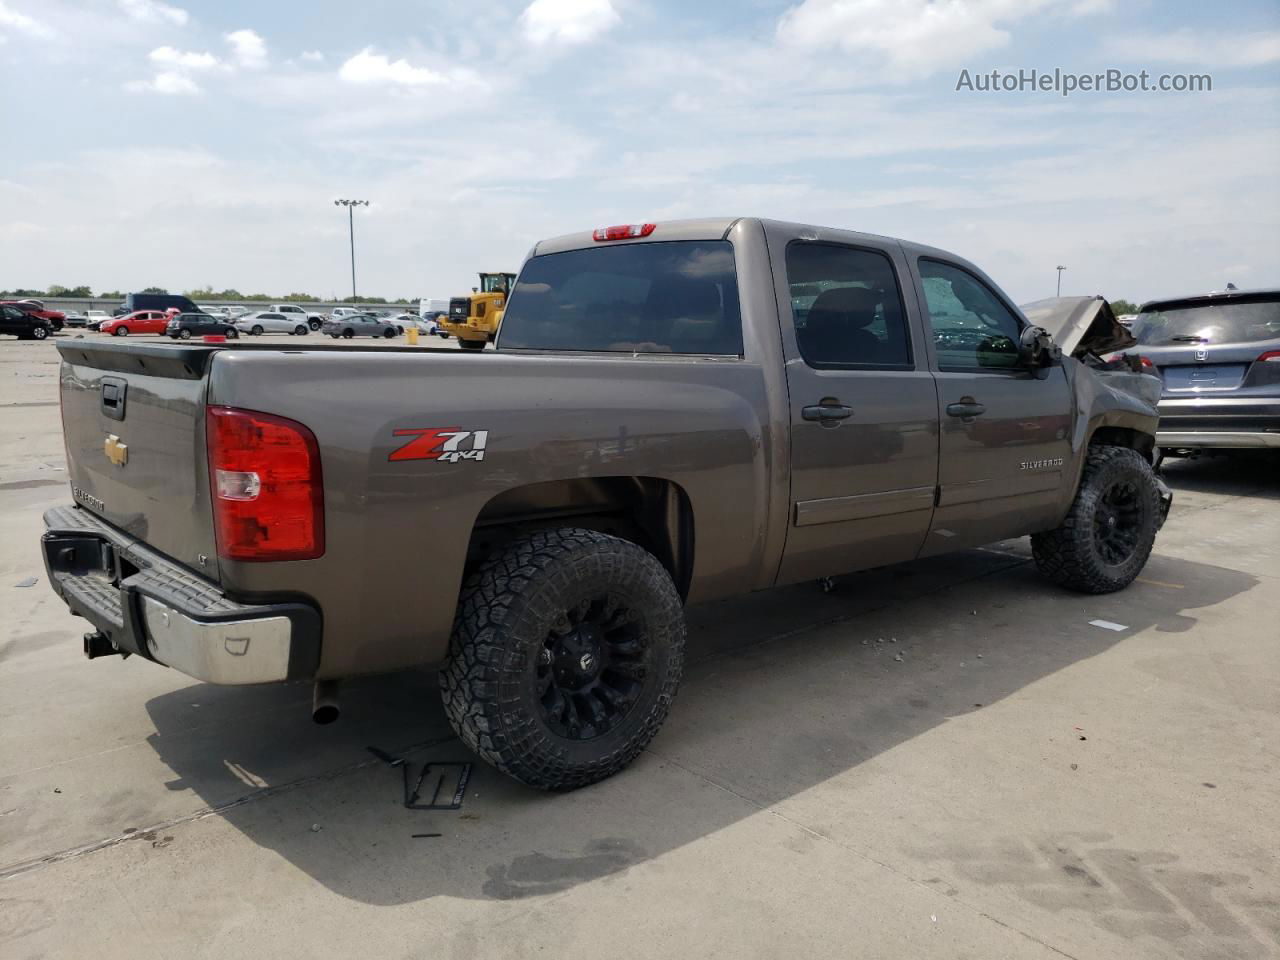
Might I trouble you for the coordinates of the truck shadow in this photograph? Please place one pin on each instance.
(784, 690)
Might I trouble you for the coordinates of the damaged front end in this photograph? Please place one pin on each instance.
(1114, 395)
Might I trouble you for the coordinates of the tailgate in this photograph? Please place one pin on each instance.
(133, 422)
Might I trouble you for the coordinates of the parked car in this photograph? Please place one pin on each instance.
(424, 325)
(268, 322)
(360, 325)
(659, 424)
(294, 312)
(140, 321)
(135, 302)
(54, 318)
(1218, 356)
(23, 324)
(184, 326)
(75, 318)
(339, 312)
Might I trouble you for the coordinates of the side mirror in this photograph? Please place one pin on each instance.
(1036, 349)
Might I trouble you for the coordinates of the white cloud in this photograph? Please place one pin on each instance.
(567, 21)
(312, 56)
(1200, 48)
(153, 11)
(21, 23)
(184, 59)
(248, 48)
(915, 37)
(367, 68)
(1085, 8)
(166, 81)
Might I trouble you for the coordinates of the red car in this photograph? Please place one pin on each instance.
(140, 321)
(35, 308)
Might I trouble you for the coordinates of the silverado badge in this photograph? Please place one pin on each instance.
(117, 452)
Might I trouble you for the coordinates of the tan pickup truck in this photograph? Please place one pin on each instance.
(674, 413)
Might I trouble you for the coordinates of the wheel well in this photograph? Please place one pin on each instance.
(650, 512)
(1144, 443)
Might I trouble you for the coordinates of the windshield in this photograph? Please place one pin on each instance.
(678, 297)
(493, 283)
(1211, 323)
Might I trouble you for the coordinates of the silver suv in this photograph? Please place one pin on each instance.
(1219, 359)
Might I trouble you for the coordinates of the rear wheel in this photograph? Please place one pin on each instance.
(300, 330)
(1107, 536)
(565, 657)
(471, 344)
(122, 331)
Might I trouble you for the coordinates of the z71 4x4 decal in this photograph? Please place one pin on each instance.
(440, 443)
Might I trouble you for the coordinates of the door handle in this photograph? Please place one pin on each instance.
(828, 411)
(966, 409)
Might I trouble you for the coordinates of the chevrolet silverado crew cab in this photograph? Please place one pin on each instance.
(674, 414)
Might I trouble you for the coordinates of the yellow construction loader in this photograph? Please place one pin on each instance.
(474, 320)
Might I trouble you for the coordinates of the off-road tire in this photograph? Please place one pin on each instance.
(1072, 555)
(505, 616)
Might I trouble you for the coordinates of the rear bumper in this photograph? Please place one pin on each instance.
(1208, 421)
(150, 606)
(1173, 439)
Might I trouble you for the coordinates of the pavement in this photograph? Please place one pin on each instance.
(951, 758)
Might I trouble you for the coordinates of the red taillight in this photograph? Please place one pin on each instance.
(264, 479)
(1147, 364)
(624, 232)
(1271, 356)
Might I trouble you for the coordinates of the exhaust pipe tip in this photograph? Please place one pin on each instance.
(324, 702)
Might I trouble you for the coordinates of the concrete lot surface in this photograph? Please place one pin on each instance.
(998, 778)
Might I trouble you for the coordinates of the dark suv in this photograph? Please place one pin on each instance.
(1219, 357)
(184, 326)
(21, 324)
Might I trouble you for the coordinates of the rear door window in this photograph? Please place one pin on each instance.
(679, 297)
(847, 307)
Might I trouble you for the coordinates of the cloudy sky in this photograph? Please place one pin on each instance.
(186, 144)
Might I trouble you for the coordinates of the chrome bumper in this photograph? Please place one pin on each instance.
(146, 604)
(1173, 439)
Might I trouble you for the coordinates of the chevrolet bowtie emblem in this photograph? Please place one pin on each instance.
(117, 452)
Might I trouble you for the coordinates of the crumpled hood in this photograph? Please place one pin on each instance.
(1080, 325)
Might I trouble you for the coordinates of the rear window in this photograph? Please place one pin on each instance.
(1232, 322)
(679, 297)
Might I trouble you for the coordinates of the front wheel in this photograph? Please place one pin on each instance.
(233, 334)
(257, 330)
(389, 333)
(565, 657)
(313, 324)
(471, 344)
(1108, 534)
(122, 331)
(184, 334)
(348, 334)
(39, 333)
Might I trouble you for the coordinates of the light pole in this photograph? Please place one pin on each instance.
(351, 231)
(1060, 269)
